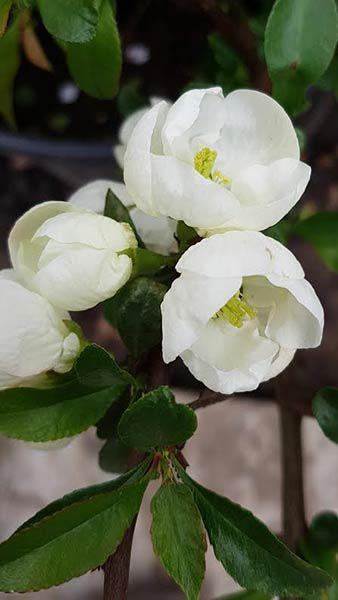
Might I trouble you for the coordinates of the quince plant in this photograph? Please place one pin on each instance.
(183, 259)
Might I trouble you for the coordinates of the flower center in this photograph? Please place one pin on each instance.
(204, 161)
(236, 310)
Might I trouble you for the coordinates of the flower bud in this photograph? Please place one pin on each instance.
(34, 336)
(73, 257)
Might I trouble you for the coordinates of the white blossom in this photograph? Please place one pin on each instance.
(73, 257)
(127, 128)
(157, 233)
(34, 335)
(216, 163)
(239, 310)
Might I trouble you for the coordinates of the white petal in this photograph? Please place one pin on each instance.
(119, 151)
(70, 349)
(299, 318)
(27, 225)
(89, 229)
(282, 360)
(92, 195)
(8, 274)
(144, 140)
(76, 277)
(31, 332)
(239, 253)
(181, 118)
(227, 359)
(267, 193)
(130, 122)
(183, 194)
(156, 232)
(189, 304)
(256, 130)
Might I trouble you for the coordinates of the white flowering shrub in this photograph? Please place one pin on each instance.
(180, 261)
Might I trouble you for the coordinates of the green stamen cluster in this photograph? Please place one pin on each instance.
(236, 310)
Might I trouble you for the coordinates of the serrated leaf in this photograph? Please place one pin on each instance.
(96, 368)
(300, 40)
(178, 537)
(70, 542)
(325, 409)
(41, 415)
(70, 20)
(157, 421)
(5, 6)
(321, 231)
(114, 456)
(135, 312)
(9, 64)
(249, 552)
(96, 64)
(89, 492)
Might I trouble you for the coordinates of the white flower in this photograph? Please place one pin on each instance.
(73, 257)
(156, 232)
(216, 163)
(239, 311)
(34, 336)
(127, 128)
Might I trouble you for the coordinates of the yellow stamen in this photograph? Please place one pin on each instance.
(236, 310)
(204, 162)
(219, 178)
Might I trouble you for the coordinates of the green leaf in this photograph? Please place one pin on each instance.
(185, 235)
(107, 426)
(70, 542)
(281, 231)
(96, 368)
(300, 40)
(135, 312)
(157, 421)
(321, 231)
(178, 537)
(149, 263)
(89, 492)
(325, 409)
(96, 65)
(9, 64)
(114, 209)
(246, 595)
(70, 20)
(58, 411)
(114, 456)
(250, 553)
(323, 531)
(329, 81)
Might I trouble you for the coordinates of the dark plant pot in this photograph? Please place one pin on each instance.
(72, 161)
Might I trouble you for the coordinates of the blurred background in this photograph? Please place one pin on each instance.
(64, 138)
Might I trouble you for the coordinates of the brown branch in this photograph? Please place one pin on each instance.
(209, 398)
(294, 523)
(238, 33)
(116, 568)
